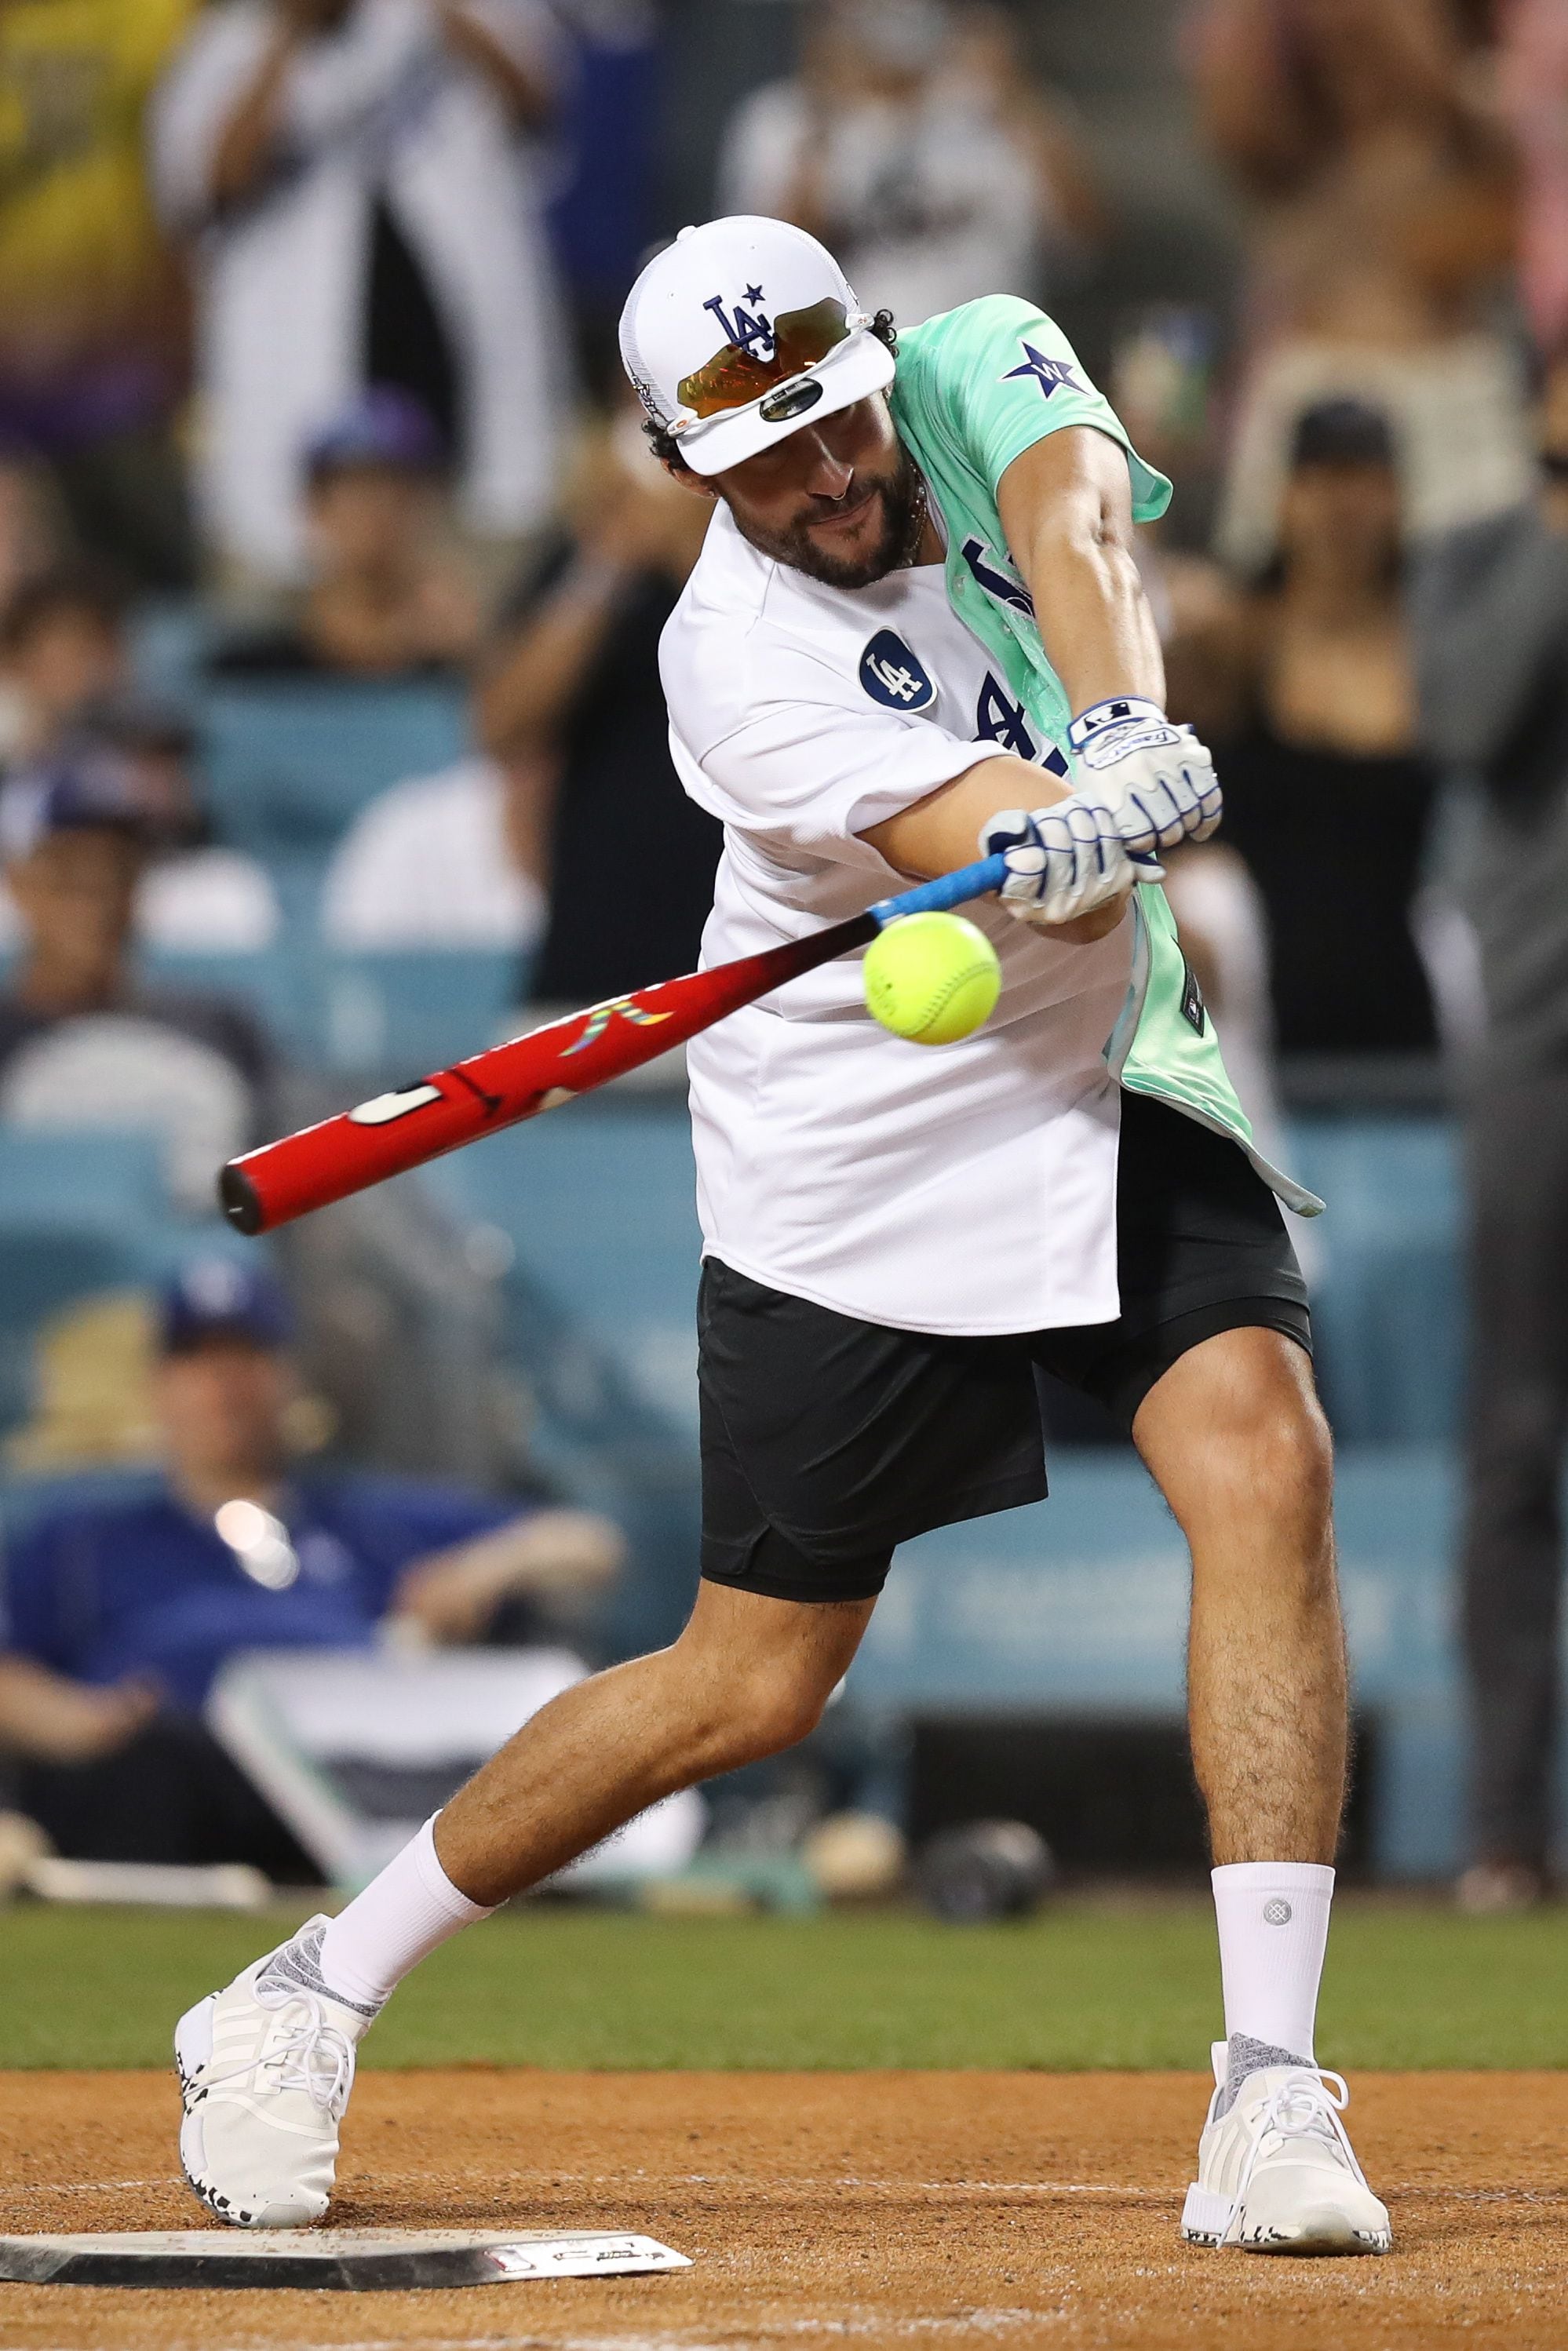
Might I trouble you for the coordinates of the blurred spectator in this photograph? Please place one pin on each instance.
(382, 599)
(1534, 78)
(196, 896)
(1490, 614)
(913, 143)
(614, 116)
(92, 341)
(62, 648)
(1162, 386)
(32, 524)
(445, 860)
(66, 703)
(360, 181)
(116, 1618)
(1384, 193)
(80, 1043)
(572, 702)
(1303, 688)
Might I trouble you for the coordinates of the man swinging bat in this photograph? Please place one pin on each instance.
(915, 635)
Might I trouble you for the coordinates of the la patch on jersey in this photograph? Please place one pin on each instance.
(893, 675)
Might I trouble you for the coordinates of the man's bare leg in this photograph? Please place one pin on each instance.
(749, 1677)
(266, 2064)
(1234, 1433)
(1236, 1439)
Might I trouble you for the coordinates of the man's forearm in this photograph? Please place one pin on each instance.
(49, 1718)
(453, 1594)
(1066, 505)
(1095, 620)
(939, 833)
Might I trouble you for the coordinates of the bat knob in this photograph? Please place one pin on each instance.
(241, 1202)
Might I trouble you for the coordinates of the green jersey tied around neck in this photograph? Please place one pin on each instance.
(976, 387)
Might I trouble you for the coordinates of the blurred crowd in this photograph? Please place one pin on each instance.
(308, 411)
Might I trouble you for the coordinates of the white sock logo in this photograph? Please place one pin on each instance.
(1276, 1912)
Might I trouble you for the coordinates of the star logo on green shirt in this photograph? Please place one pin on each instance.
(1050, 374)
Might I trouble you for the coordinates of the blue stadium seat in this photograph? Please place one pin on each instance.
(170, 637)
(408, 1011)
(280, 983)
(289, 765)
(1388, 1301)
(597, 1200)
(46, 1266)
(81, 1211)
(82, 1179)
(588, 1214)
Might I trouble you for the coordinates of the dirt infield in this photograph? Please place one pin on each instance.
(963, 2209)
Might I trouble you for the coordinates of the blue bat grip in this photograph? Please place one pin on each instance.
(948, 890)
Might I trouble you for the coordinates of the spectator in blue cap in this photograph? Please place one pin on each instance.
(384, 598)
(118, 1616)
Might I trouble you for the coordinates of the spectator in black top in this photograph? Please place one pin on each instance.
(384, 598)
(1304, 688)
(573, 705)
(79, 1040)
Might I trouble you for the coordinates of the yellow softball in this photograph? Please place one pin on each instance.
(931, 978)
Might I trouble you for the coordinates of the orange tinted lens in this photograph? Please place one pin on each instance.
(734, 378)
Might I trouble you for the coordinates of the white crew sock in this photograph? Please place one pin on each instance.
(1273, 1931)
(399, 1919)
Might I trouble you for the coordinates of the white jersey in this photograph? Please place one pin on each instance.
(966, 1189)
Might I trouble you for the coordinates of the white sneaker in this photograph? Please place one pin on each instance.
(265, 2068)
(1276, 2172)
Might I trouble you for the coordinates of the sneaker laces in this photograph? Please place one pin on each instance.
(1305, 2105)
(313, 2055)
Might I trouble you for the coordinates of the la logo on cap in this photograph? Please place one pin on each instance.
(746, 327)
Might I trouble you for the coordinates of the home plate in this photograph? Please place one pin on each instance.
(353, 2260)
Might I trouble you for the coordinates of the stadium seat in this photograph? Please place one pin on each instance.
(279, 984)
(289, 766)
(44, 1267)
(406, 1012)
(597, 1201)
(170, 637)
(586, 1216)
(85, 1179)
(1389, 1302)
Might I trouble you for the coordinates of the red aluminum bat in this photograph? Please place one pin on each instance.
(405, 1128)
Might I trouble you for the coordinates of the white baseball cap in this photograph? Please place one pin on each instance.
(742, 330)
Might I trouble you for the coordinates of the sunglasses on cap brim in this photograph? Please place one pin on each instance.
(734, 378)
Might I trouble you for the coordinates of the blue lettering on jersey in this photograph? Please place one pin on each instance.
(893, 675)
(999, 584)
(746, 327)
(997, 720)
(1050, 374)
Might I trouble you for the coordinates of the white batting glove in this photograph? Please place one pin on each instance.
(1063, 861)
(1158, 779)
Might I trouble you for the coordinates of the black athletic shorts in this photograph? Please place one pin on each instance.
(826, 1441)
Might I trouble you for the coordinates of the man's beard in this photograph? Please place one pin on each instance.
(901, 502)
